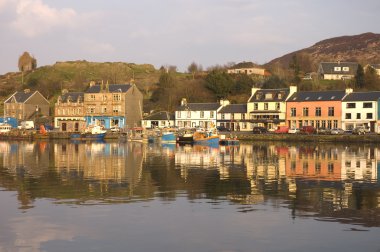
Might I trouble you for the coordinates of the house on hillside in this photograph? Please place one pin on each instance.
(191, 115)
(26, 105)
(361, 109)
(267, 107)
(69, 112)
(247, 68)
(161, 119)
(113, 105)
(337, 70)
(233, 117)
(320, 109)
(375, 67)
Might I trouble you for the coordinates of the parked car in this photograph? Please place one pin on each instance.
(337, 131)
(282, 130)
(294, 131)
(307, 130)
(259, 130)
(359, 131)
(323, 131)
(222, 128)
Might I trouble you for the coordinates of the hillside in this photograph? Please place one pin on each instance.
(363, 48)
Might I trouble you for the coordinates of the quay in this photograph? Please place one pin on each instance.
(241, 136)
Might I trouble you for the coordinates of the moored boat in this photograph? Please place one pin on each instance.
(209, 137)
(228, 140)
(5, 128)
(93, 132)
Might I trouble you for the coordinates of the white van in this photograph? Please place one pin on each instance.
(26, 125)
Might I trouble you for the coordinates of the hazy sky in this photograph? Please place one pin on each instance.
(174, 32)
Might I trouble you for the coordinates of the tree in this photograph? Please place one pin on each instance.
(294, 65)
(273, 82)
(371, 79)
(243, 84)
(220, 83)
(359, 77)
(193, 68)
(26, 62)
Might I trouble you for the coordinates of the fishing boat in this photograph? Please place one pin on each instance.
(169, 136)
(185, 136)
(92, 132)
(209, 137)
(5, 128)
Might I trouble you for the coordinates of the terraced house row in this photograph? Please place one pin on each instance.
(271, 108)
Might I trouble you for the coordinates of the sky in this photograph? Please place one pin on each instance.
(174, 32)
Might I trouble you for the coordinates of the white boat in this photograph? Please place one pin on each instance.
(5, 127)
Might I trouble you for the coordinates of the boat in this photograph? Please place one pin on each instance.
(5, 128)
(168, 136)
(137, 134)
(209, 137)
(185, 136)
(92, 132)
(230, 140)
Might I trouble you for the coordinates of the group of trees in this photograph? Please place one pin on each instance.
(366, 78)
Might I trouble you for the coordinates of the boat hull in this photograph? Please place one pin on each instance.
(168, 138)
(88, 136)
(213, 140)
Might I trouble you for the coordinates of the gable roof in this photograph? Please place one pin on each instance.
(199, 107)
(73, 96)
(234, 108)
(362, 96)
(330, 68)
(305, 96)
(261, 95)
(113, 88)
(20, 96)
(160, 116)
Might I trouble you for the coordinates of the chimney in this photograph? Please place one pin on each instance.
(349, 90)
(92, 83)
(183, 102)
(292, 90)
(64, 91)
(224, 102)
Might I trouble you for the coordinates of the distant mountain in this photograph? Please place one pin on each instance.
(363, 48)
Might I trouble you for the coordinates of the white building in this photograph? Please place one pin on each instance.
(267, 107)
(161, 119)
(337, 70)
(191, 115)
(361, 109)
(234, 117)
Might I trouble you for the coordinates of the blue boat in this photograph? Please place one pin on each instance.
(168, 137)
(206, 138)
(91, 133)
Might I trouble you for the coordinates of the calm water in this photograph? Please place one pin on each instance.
(63, 196)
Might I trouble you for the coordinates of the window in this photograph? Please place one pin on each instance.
(317, 168)
(348, 116)
(369, 115)
(91, 110)
(367, 105)
(331, 111)
(268, 96)
(104, 98)
(178, 114)
(318, 111)
(293, 111)
(351, 105)
(335, 124)
(329, 124)
(243, 116)
(330, 168)
(305, 111)
(211, 114)
(337, 69)
(323, 124)
(92, 97)
(104, 110)
(265, 106)
(358, 116)
(202, 114)
(346, 69)
(116, 109)
(277, 106)
(255, 106)
(188, 114)
(223, 116)
(116, 97)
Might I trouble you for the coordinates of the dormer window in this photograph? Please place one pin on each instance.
(279, 96)
(307, 98)
(346, 69)
(320, 97)
(268, 96)
(332, 97)
(337, 69)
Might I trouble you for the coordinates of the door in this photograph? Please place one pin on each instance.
(76, 126)
(64, 127)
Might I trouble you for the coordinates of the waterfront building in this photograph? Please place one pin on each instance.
(69, 112)
(337, 70)
(361, 109)
(113, 105)
(320, 109)
(162, 119)
(267, 107)
(234, 117)
(191, 115)
(26, 105)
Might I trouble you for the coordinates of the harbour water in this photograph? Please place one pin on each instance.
(130, 196)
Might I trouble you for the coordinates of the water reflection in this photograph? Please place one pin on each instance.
(328, 182)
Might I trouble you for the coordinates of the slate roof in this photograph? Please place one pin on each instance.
(113, 88)
(73, 96)
(199, 107)
(260, 95)
(363, 96)
(160, 116)
(328, 68)
(234, 108)
(306, 96)
(20, 96)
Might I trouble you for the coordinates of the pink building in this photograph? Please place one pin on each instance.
(321, 109)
